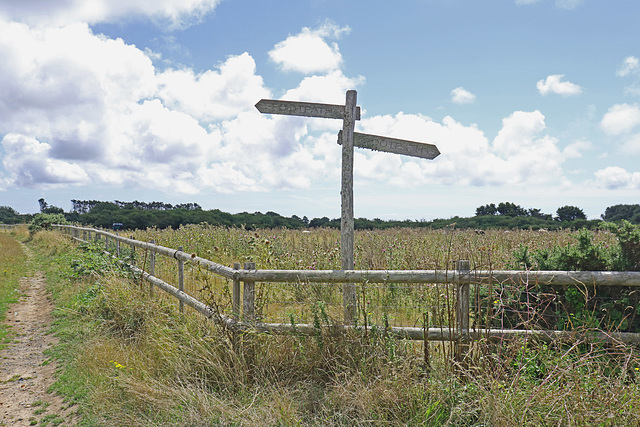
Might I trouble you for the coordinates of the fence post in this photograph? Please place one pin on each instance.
(118, 248)
(133, 253)
(462, 306)
(106, 243)
(249, 295)
(235, 306)
(181, 278)
(152, 267)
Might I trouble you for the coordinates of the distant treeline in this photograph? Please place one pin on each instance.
(140, 215)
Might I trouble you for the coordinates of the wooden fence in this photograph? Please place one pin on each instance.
(243, 297)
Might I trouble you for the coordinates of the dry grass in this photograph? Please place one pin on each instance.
(142, 363)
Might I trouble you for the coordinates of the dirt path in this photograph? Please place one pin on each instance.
(25, 372)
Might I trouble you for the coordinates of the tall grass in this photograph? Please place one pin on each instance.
(135, 360)
(379, 304)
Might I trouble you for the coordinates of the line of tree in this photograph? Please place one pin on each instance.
(137, 214)
(507, 209)
(86, 206)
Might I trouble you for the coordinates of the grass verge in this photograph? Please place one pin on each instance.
(13, 266)
(131, 360)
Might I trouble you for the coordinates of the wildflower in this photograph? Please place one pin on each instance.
(117, 365)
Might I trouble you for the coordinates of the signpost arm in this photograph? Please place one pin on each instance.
(346, 223)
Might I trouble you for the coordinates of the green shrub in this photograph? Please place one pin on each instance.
(44, 221)
(628, 235)
(607, 307)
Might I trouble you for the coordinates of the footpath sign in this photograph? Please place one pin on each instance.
(307, 109)
(392, 145)
(348, 138)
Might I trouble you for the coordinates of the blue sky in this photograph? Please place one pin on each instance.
(535, 102)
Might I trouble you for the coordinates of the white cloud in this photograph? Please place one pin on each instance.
(554, 85)
(529, 156)
(620, 119)
(460, 95)
(523, 2)
(574, 151)
(85, 109)
(171, 14)
(96, 111)
(29, 163)
(214, 94)
(615, 177)
(328, 89)
(568, 4)
(520, 153)
(309, 52)
(630, 65)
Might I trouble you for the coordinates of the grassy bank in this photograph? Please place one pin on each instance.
(131, 360)
(13, 266)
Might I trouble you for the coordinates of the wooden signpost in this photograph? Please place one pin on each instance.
(306, 109)
(392, 145)
(349, 113)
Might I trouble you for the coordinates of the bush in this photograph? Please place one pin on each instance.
(628, 235)
(607, 307)
(44, 221)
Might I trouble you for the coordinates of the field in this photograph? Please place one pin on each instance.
(388, 304)
(134, 360)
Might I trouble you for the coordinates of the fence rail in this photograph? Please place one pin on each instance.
(461, 278)
(9, 227)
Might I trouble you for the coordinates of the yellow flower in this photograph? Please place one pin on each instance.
(117, 365)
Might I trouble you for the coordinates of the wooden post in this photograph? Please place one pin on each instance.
(349, 299)
(462, 312)
(462, 308)
(181, 278)
(249, 294)
(118, 248)
(235, 305)
(152, 267)
(106, 243)
(133, 253)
